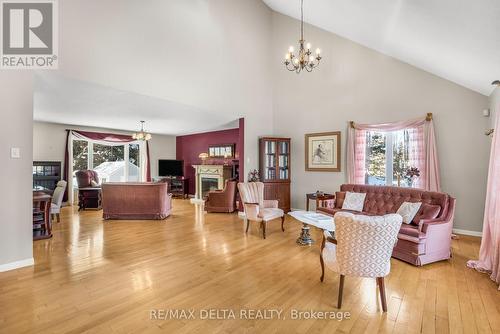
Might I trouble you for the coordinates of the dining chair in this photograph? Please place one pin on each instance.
(257, 208)
(362, 247)
(57, 198)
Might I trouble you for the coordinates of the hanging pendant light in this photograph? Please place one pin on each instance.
(304, 58)
(141, 135)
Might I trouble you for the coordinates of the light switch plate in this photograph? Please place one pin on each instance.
(15, 153)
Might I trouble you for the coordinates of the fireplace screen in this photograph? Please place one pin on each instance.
(208, 184)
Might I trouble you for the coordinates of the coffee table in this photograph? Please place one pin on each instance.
(308, 218)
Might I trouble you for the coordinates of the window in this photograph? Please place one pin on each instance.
(107, 160)
(387, 158)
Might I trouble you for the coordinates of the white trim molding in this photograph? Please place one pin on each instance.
(467, 232)
(17, 264)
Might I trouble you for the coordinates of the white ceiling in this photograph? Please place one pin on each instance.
(454, 39)
(67, 101)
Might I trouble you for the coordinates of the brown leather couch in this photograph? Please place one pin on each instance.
(428, 238)
(222, 200)
(129, 200)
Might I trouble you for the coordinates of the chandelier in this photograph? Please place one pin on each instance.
(141, 135)
(304, 59)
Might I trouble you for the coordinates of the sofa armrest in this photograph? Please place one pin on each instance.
(270, 203)
(251, 211)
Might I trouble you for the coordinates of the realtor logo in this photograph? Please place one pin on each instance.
(29, 34)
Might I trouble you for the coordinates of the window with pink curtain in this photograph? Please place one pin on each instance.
(382, 154)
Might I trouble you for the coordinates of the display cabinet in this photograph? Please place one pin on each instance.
(275, 169)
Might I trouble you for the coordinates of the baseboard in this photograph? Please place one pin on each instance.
(16, 264)
(467, 232)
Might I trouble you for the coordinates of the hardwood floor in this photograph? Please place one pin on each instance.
(107, 277)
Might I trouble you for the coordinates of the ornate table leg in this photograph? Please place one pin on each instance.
(305, 237)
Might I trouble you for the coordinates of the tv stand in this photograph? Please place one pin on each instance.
(178, 186)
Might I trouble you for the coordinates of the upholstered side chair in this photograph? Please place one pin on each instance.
(258, 209)
(57, 198)
(362, 247)
(222, 200)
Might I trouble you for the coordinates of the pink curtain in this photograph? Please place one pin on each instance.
(489, 253)
(423, 152)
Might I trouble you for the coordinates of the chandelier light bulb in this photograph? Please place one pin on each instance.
(318, 51)
(290, 49)
(308, 46)
(287, 56)
(311, 58)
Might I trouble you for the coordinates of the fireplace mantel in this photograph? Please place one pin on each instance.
(209, 172)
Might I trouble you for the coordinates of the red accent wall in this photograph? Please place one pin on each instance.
(190, 146)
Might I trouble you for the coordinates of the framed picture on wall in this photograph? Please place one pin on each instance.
(323, 151)
(221, 151)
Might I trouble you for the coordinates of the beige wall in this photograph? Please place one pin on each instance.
(49, 140)
(16, 113)
(356, 83)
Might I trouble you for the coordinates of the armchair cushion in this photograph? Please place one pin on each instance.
(267, 214)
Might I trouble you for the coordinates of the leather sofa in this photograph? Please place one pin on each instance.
(428, 238)
(129, 200)
(222, 200)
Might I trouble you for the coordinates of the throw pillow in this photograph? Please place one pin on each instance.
(427, 211)
(354, 201)
(408, 211)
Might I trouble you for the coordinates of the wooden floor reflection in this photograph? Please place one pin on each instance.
(106, 277)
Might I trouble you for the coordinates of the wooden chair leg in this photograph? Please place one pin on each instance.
(381, 287)
(321, 259)
(248, 225)
(341, 290)
(282, 222)
(58, 218)
(263, 229)
(322, 267)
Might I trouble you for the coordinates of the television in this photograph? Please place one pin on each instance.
(170, 167)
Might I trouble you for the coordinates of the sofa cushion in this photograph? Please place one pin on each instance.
(411, 231)
(426, 211)
(354, 201)
(408, 210)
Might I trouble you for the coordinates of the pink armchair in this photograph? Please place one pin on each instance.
(258, 209)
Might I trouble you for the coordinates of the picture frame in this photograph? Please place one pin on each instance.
(220, 151)
(323, 152)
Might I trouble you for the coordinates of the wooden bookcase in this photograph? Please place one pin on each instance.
(274, 157)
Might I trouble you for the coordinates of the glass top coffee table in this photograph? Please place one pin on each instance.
(308, 218)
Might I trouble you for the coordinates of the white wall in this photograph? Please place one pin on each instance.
(494, 106)
(359, 84)
(209, 54)
(16, 113)
(49, 141)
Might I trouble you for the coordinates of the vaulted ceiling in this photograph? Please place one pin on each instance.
(454, 39)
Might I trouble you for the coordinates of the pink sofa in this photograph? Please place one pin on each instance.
(428, 238)
(136, 201)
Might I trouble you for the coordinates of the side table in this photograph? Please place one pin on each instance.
(317, 197)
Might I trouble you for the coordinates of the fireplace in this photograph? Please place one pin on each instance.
(208, 184)
(209, 177)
